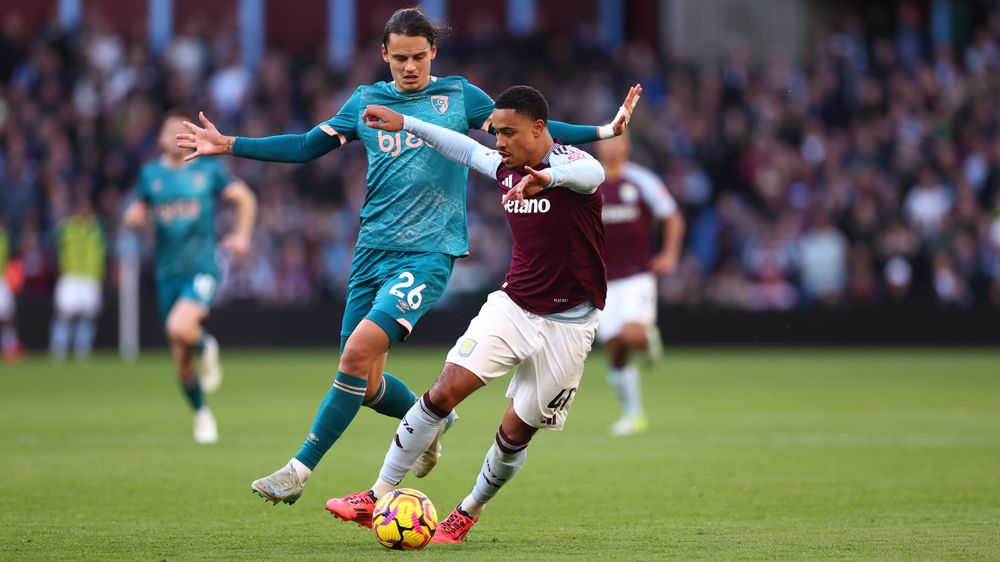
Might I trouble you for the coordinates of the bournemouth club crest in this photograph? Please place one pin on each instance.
(440, 103)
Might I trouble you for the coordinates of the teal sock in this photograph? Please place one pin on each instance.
(393, 398)
(200, 346)
(193, 393)
(335, 413)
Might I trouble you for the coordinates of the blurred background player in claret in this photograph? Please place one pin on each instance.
(635, 201)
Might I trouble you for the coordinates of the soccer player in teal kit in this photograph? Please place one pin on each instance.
(182, 198)
(413, 227)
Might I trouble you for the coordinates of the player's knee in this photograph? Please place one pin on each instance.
(452, 386)
(357, 358)
(515, 429)
(634, 335)
(182, 330)
(442, 397)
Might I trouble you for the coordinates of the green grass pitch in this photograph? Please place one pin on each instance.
(752, 454)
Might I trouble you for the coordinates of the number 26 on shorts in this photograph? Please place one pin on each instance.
(413, 297)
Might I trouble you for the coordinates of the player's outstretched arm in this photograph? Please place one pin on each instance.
(208, 141)
(579, 134)
(657, 197)
(666, 261)
(238, 241)
(453, 146)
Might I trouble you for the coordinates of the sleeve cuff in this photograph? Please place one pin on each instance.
(410, 122)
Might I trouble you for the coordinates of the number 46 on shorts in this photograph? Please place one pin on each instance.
(562, 399)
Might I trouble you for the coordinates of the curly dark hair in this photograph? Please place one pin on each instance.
(524, 100)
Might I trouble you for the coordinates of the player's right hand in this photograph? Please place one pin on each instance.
(381, 117)
(530, 185)
(664, 263)
(237, 244)
(135, 216)
(207, 141)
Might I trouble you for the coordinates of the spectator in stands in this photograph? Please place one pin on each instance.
(866, 174)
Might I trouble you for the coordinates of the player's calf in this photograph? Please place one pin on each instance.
(415, 434)
(430, 457)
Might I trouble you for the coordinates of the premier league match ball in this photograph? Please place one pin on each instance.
(404, 519)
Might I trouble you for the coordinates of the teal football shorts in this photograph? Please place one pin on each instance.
(393, 289)
(199, 288)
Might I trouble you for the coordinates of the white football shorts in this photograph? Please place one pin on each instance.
(549, 357)
(630, 299)
(78, 295)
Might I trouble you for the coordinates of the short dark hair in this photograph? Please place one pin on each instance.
(413, 23)
(524, 100)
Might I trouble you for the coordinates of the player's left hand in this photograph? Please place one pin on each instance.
(663, 264)
(205, 141)
(529, 185)
(624, 115)
(237, 244)
(381, 117)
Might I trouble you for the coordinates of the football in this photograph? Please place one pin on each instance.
(404, 519)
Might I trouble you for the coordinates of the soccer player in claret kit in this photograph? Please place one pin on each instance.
(413, 228)
(543, 319)
(634, 200)
(182, 197)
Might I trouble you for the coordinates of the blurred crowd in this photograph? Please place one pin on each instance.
(866, 174)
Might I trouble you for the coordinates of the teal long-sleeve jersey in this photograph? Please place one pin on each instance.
(416, 197)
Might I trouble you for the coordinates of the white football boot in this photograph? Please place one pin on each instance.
(630, 425)
(210, 373)
(205, 429)
(284, 486)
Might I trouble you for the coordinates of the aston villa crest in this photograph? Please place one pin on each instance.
(440, 103)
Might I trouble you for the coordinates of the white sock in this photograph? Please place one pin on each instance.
(8, 336)
(415, 432)
(471, 507)
(626, 383)
(502, 463)
(381, 488)
(59, 341)
(83, 338)
(301, 470)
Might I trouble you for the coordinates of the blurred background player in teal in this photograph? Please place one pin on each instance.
(81, 244)
(635, 200)
(10, 344)
(413, 227)
(182, 198)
